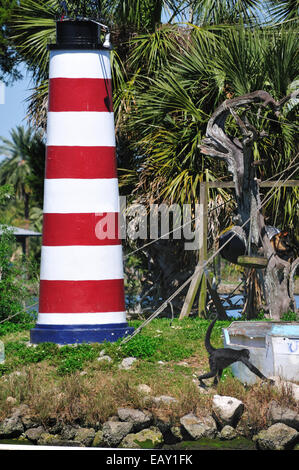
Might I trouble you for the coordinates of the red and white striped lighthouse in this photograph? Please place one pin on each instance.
(81, 277)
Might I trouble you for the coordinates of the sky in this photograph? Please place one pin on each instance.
(13, 104)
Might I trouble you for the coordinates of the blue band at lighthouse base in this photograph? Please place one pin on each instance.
(77, 334)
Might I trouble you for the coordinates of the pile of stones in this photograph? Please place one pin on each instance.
(135, 429)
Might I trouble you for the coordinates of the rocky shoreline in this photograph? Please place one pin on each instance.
(140, 429)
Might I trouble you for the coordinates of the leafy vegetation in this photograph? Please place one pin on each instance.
(161, 341)
(23, 166)
(89, 390)
(173, 63)
(8, 55)
(13, 291)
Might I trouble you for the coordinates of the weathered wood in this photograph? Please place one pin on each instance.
(192, 291)
(238, 154)
(199, 281)
(253, 261)
(203, 247)
(262, 184)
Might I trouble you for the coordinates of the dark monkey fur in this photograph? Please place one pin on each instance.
(221, 358)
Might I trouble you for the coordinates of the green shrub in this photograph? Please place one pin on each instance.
(289, 316)
(25, 322)
(13, 292)
(27, 355)
(72, 358)
(142, 346)
(70, 365)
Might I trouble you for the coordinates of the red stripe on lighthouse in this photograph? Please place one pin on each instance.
(80, 229)
(82, 296)
(80, 94)
(80, 162)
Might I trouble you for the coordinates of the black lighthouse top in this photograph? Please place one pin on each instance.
(76, 30)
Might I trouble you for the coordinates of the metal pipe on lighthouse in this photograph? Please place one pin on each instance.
(81, 276)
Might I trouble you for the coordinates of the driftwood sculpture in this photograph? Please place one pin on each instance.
(238, 154)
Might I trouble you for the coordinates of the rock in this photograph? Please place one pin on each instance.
(127, 363)
(143, 388)
(114, 432)
(24, 413)
(47, 439)
(176, 433)
(278, 414)
(150, 438)
(98, 439)
(279, 436)
(227, 410)
(139, 418)
(11, 427)
(164, 399)
(55, 426)
(11, 400)
(171, 434)
(104, 358)
(85, 436)
(227, 433)
(68, 432)
(34, 434)
(30, 421)
(20, 410)
(196, 428)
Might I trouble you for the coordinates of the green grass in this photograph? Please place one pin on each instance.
(11, 327)
(159, 341)
(170, 355)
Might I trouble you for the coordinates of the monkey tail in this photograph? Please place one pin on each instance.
(208, 345)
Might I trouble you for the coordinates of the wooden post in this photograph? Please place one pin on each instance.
(199, 279)
(203, 246)
(193, 288)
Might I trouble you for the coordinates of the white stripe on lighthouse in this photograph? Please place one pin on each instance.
(81, 128)
(75, 64)
(81, 318)
(81, 263)
(75, 195)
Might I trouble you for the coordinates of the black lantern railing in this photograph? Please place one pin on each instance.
(78, 26)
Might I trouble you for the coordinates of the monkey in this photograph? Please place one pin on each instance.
(221, 358)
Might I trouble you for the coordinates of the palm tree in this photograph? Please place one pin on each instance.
(225, 11)
(15, 169)
(172, 108)
(33, 27)
(284, 10)
(170, 78)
